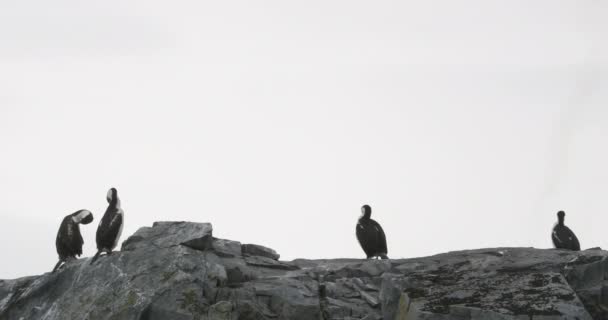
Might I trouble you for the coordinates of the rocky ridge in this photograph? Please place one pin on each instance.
(179, 271)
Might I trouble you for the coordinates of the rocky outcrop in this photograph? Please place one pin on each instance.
(179, 271)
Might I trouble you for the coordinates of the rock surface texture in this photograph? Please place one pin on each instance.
(178, 271)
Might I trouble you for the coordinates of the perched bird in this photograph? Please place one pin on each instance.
(562, 236)
(370, 235)
(69, 240)
(110, 226)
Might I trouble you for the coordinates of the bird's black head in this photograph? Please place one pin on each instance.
(560, 217)
(112, 195)
(366, 211)
(82, 216)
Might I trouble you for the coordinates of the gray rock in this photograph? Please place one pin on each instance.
(370, 299)
(257, 250)
(167, 234)
(222, 310)
(177, 270)
(391, 291)
(269, 263)
(226, 248)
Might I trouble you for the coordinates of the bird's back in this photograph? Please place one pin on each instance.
(380, 236)
(109, 228)
(371, 237)
(564, 238)
(69, 240)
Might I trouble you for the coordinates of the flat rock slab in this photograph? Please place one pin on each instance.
(257, 250)
(226, 248)
(167, 234)
(264, 262)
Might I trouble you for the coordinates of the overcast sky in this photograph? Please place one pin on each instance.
(463, 124)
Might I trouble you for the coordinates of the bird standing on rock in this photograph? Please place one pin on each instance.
(69, 240)
(562, 236)
(110, 226)
(370, 235)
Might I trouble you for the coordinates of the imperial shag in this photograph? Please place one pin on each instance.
(562, 236)
(370, 235)
(69, 240)
(110, 226)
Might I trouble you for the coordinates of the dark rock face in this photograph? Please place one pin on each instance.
(178, 270)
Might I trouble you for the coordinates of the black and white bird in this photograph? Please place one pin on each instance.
(69, 240)
(370, 235)
(562, 236)
(110, 226)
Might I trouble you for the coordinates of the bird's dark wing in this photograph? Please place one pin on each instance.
(564, 238)
(574, 244)
(363, 235)
(380, 237)
(62, 251)
(75, 239)
(577, 245)
(108, 229)
(69, 240)
(557, 242)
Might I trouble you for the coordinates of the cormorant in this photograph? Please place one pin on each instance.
(69, 240)
(562, 236)
(110, 226)
(370, 235)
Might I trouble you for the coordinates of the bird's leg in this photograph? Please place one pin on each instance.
(95, 256)
(58, 265)
(65, 262)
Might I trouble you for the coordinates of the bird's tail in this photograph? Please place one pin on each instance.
(96, 256)
(383, 256)
(57, 265)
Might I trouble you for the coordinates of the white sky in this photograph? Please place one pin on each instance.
(463, 125)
